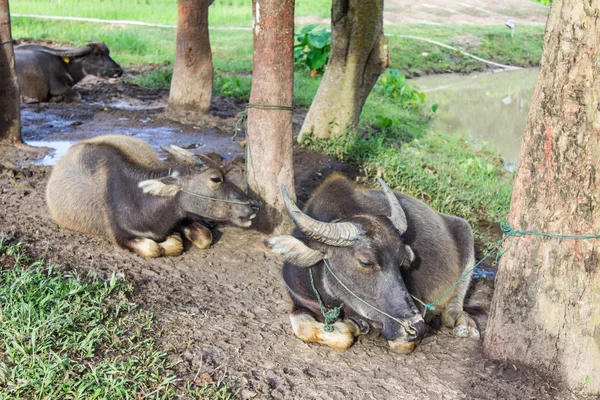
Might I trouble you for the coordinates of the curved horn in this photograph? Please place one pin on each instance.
(184, 156)
(78, 52)
(338, 234)
(397, 215)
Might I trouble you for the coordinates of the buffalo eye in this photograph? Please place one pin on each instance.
(216, 179)
(367, 265)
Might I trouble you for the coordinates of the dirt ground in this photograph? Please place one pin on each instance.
(224, 310)
(457, 12)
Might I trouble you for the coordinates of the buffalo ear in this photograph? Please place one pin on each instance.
(164, 187)
(410, 256)
(294, 251)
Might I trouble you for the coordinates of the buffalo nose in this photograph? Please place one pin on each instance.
(254, 205)
(419, 329)
(118, 73)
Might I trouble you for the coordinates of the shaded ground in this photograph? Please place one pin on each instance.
(461, 12)
(223, 311)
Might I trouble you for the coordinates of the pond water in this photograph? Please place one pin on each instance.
(490, 107)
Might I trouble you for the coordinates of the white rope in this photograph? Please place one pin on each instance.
(120, 22)
(509, 67)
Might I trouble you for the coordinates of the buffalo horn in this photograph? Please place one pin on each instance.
(184, 156)
(338, 234)
(397, 216)
(78, 52)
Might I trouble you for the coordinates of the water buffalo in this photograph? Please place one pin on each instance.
(116, 186)
(47, 74)
(383, 246)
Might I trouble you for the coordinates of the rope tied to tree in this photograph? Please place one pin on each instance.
(244, 115)
(239, 127)
(13, 41)
(509, 233)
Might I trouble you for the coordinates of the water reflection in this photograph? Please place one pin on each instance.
(59, 149)
(492, 107)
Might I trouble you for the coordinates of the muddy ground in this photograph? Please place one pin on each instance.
(223, 311)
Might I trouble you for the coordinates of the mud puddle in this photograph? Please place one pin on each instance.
(60, 125)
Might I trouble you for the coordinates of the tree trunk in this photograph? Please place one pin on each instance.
(546, 306)
(192, 83)
(359, 54)
(269, 150)
(10, 121)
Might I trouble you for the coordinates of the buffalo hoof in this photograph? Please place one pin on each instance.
(462, 324)
(309, 330)
(199, 235)
(402, 347)
(173, 246)
(145, 247)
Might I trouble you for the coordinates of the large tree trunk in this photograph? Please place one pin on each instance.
(192, 83)
(359, 54)
(10, 121)
(546, 307)
(270, 140)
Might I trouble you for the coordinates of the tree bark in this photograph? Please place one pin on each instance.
(10, 118)
(546, 306)
(359, 54)
(269, 151)
(192, 83)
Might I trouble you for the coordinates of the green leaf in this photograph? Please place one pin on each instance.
(434, 107)
(307, 28)
(319, 61)
(318, 39)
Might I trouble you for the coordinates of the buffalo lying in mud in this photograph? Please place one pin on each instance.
(116, 186)
(47, 74)
(382, 246)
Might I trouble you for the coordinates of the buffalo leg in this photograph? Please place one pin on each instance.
(144, 247)
(199, 235)
(173, 246)
(306, 328)
(454, 317)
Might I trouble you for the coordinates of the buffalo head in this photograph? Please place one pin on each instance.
(203, 189)
(93, 58)
(366, 252)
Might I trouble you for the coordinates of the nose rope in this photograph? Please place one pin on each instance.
(245, 203)
(404, 324)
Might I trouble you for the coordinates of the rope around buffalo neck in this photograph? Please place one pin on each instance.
(507, 229)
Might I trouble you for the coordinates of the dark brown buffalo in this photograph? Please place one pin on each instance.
(117, 187)
(383, 246)
(47, 74)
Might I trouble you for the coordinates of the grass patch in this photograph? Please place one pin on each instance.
(448, 173)
(63, 337)
(222, 12)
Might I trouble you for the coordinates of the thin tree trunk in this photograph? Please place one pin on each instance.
(10, 119)
(359, 54)
(270, 140)
(546, 306)
(192, 83)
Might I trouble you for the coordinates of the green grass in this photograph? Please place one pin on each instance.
(64, 337)
(222, 12)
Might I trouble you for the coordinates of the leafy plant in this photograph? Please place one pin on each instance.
(313, 48)
(393, 85)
